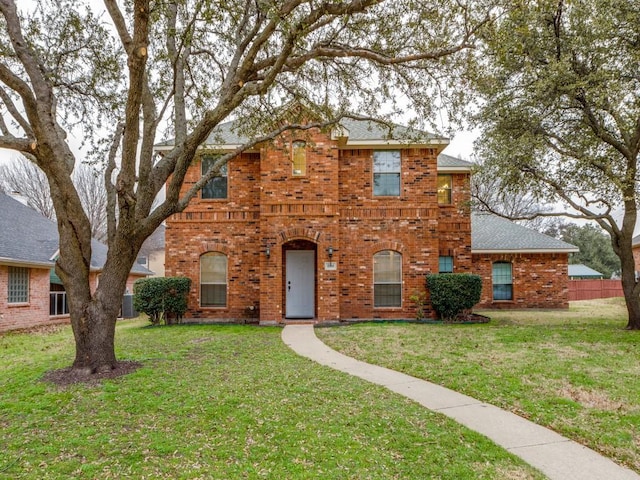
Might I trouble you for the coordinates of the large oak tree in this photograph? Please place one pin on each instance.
(559, 83)
(189, 65)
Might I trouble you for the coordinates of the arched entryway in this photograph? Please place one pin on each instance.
(299, 274)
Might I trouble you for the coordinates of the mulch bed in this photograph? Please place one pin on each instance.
(70, 376)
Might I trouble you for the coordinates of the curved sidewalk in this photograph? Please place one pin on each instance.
(556, 456)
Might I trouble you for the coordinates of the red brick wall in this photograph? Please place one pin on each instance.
(539, 280)
(33, 313)
(333, 205)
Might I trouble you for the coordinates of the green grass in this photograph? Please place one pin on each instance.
(576, 371)
(221, 402)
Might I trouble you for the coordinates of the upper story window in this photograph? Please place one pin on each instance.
(445, 185)
(299, 158)
(18, 285)
(213, 280)
(216, 187)
(445, 264)
(502, 277)
(386, 173)
(387, 279)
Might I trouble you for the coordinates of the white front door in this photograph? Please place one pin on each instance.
(300, 283)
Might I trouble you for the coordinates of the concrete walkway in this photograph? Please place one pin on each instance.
(556, 456)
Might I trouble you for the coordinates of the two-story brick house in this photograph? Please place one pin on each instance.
(328, 225)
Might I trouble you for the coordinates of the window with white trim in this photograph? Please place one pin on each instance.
(387, 279)
(213, 280)
(386, 173)
(502, 277)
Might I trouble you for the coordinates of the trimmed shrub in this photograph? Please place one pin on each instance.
(162, 298)
(453, 293)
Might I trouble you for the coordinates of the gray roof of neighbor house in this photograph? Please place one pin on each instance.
(493, 234)
(635, 241)
(30, 239)
(583, 271)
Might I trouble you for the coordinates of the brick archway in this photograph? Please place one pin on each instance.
(386, 245)
(299, 233)
(214, 247)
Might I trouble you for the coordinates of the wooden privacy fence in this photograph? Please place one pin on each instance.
(590, 289)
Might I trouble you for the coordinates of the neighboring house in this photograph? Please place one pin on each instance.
(151, 255)
(344, 224)
(30, 292)
(582, 272)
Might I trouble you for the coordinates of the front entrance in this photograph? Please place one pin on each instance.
(300, 283)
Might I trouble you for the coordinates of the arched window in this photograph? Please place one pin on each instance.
(299, 158)
(387, 279)
(213, 280)
(502, 281)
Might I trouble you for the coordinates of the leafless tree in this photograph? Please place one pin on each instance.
(26, 179)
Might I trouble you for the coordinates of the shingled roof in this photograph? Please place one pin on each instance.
(493, 234)
(359, 133)
(30, 239)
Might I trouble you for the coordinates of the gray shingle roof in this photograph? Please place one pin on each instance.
(226, 134)
(448, 162)
(490, 233)
(27, 237)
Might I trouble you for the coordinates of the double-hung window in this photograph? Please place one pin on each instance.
(386, 173)
(18, 285)
(502, 281)
(387, 279)
(213, 280)
(217, 186)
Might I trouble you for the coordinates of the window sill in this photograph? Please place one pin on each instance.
(18, 304)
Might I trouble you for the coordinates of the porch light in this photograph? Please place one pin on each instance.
(330, 252)
(268, 252)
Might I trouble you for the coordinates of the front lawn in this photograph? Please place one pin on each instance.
(575, 371)
(221, 402)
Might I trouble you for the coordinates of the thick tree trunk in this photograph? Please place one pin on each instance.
(94, 315)
(622, 246)
(94, 335)
(631, 289)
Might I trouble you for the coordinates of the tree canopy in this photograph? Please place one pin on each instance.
(559, 108)
(136, 74)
